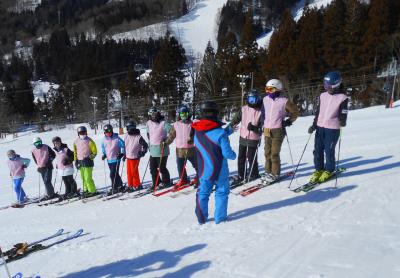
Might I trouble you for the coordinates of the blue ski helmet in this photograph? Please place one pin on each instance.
(183, 112)
(332, 81)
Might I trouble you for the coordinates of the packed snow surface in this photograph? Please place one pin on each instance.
(349, 231)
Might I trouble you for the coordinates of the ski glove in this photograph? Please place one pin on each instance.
(103, 157)
(190, 141)
(286, 123)
(121, 156)
(41, 169)
(142, 153)
(252, 127)
(77, 165)
(311, 129)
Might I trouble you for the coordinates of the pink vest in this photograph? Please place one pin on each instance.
(182, 130)
(41, 155)
(275, 112)
(249, 115)
(82, 148)
(157, 132)
(111, 145)
(61, 156)
(132, 146)
(16, 169)
(328, 116)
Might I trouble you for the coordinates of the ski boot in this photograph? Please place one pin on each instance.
(315, 176)
(326, 175)
(269, 178)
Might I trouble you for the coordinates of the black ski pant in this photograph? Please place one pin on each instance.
(155, 165)
(116, 181)
(47, 174)
(70, 184)
(251, 156)
(180, 162)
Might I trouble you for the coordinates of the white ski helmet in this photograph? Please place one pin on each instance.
(36, 139)
(276, 83)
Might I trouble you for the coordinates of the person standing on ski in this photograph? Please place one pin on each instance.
(250, 135)
(331, 115)
(157, 130)
(274, 111)
(213, 150)
(43, 156)
(17, 166)
(65, 159)
(85, 151)
(113, 148)
(136, 148)
(182, 131)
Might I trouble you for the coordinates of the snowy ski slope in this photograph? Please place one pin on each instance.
(351, 231)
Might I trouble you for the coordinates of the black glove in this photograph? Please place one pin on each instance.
(190, 141)
(286, 123)
(41, 169)
(124, 158)
(311, 129)
(103, 157)
(66, 162)
(142, 153)
(120, 156)
(77, 164)
(252, 127)
(87, 161)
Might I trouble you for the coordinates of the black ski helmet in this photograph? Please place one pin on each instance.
(108, 128)
(82, 129)
(56, 139)
(253, 98)
(130, 125)
(209, 110)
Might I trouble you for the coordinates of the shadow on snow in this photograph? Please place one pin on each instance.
(150, 262)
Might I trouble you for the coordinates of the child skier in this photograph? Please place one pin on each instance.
(274, 111)
(212, 149)
(65, 159)
(250, 135)
(85, 151)
(113, 148)
(330, 117)
(135, 147)
(157, 130)
(17, 166)
(43, 156)
(182, 131)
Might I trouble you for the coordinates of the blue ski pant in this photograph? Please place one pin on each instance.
(19, 191)
(221, 199)
(325, 143)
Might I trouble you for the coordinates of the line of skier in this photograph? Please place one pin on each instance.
(203, 142)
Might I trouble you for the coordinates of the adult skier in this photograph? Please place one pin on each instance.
(85, 151)
(65, 159)
(136, 148)
(276, 108)
(43, 156)
(157, 130)
(212, 149)
(17, 166)
(250, 135)
(331, 115)
(113, 148)
(182, 131)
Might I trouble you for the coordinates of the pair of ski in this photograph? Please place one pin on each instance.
(21, 205)
(311, 185)
(264, 183)
(22, 250)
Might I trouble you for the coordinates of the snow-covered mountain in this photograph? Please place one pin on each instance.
(349, 231)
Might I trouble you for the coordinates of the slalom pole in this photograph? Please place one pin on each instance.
(337, 161)
(301, 157)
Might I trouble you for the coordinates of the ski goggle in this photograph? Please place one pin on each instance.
(82, 133)
(252, 99)
(37, 144)
(108, 133)
(330, 87)
(184, 115)
(270, 89)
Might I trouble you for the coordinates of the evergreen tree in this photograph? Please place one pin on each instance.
(248, 48)
(207, 83)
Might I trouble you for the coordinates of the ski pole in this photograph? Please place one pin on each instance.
(122, 170)
(183, 168)
(105, 174)
(5, 264)
(247, 153)
(55, 178)
(116, 172)
(159, 168)
(62, 174)
(39, 187)
(337, 162)
(290, 150)
(254, 160)
(301, 157)
(145, 170)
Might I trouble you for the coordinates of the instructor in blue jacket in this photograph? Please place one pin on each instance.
(212, 149)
